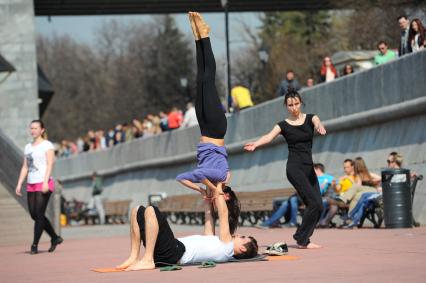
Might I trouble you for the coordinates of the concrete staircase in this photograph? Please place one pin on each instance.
(16, 225)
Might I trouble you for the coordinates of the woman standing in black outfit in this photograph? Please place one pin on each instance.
(298, 130)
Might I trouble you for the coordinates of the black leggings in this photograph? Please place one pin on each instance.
(210, 114)
(37, 204)
(168, 249)
(304, 180)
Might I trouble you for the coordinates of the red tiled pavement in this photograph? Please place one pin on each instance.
(363, 255)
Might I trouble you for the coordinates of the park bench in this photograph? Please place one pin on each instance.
(183, 209)
(116, 212)
(189, 209)
(257, 206)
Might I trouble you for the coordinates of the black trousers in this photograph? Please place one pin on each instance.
(37, 204)
(210, 113)
(303, 178)
(168, 249)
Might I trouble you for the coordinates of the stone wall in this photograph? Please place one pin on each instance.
(18, 93)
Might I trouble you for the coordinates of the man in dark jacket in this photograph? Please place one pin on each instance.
(289, 83)
(404, 46)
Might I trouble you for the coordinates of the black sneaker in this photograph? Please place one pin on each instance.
(34, 249)
(279, 248)
(54, 243)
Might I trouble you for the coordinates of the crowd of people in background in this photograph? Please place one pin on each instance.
(151, 125)
(412, 39)
(352, 191)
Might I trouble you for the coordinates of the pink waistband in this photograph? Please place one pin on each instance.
(37, 187)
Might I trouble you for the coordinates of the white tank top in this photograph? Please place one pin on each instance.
(199, 248)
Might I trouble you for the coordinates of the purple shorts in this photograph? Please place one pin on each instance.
(212, 164)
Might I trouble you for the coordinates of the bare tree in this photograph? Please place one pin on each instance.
(133, 69)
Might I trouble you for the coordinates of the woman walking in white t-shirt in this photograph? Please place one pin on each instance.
(38, 164)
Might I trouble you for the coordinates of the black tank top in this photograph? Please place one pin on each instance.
(299, 140)
(368, 183)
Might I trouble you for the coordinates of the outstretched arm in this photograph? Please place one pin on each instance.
(222, 210)
(319, 127)
(251, 146)
(376, 178)
(208, 217)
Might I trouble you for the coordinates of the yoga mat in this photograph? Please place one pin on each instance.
(256, 258)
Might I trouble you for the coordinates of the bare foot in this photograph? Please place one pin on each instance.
(310, 246)
(141, 265)
(202, 27)
(193, 25)
(127, 263)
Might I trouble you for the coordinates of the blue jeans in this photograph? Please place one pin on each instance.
(291, 203)
(358, 211)
(325, 210)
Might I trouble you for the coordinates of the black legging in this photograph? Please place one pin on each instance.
(303, 178)
(37, 204)
(210, 115)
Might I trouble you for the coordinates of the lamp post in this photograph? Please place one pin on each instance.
(263, 57)
(228, 65)
(184, 85)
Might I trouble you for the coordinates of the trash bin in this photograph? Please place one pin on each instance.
(397, 198)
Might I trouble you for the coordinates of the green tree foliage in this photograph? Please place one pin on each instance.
(371, 21)
(300, 40)
(295, 40)
(169, 59)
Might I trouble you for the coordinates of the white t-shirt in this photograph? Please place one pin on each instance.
(199, 248)
(190, 118)
(37, 161)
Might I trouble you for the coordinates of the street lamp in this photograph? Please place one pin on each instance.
(184, 84)
(224, 4)
(263, 55)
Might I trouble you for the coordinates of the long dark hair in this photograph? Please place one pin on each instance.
(345, 71)
(412, 33)
(361, 170)
(234, 209)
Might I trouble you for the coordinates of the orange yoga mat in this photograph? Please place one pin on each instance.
(281, 257)
(107, 270)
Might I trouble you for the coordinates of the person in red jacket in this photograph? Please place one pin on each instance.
(175, 118)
